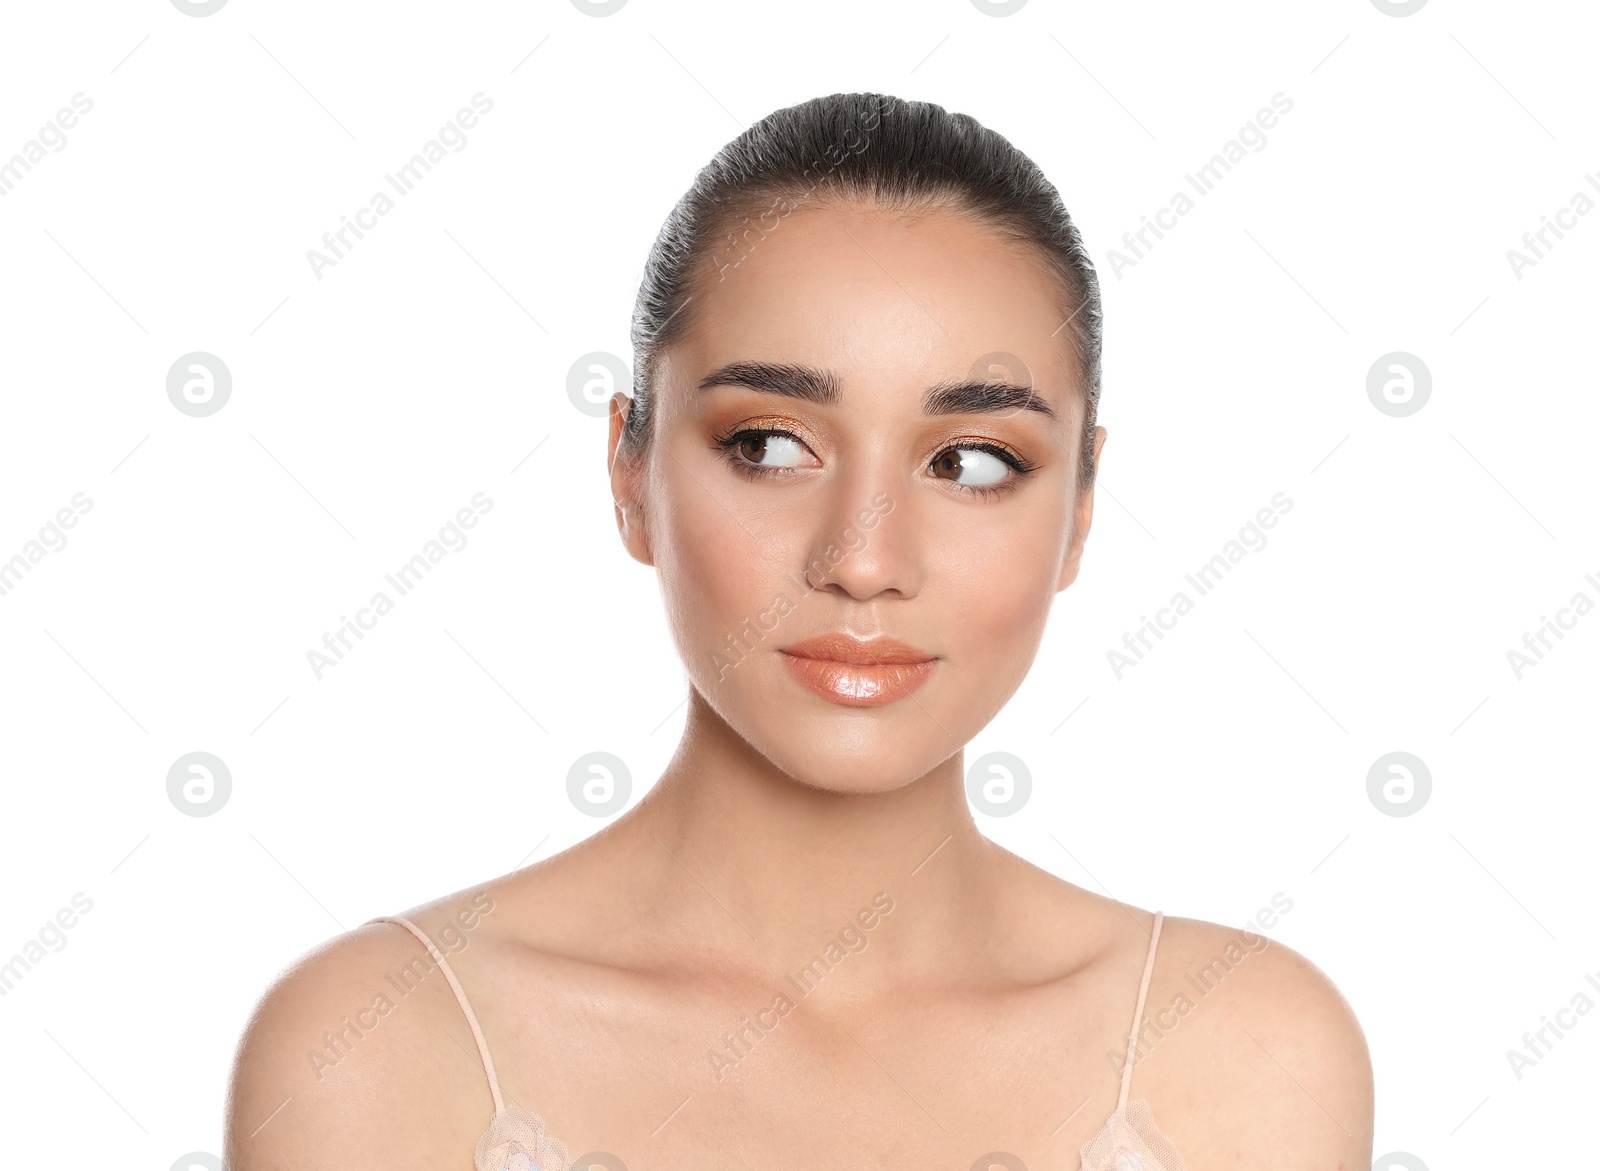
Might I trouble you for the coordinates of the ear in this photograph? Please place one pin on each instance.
(1082, 515)
(625, 478)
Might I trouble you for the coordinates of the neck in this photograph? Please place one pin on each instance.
(793, 866)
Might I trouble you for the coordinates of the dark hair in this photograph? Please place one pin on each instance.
(865, 148)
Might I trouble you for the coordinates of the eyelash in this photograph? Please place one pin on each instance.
(728, 443)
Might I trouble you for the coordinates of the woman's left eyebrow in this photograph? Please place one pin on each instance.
(816, 385)
(996, 397)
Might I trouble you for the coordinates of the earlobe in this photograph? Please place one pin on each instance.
(624, 478)
(1069, 567)
(1099, 445)
(634, 537)
(1082, 516)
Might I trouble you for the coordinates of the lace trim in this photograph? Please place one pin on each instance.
(1131, 1141)
(517, 1140)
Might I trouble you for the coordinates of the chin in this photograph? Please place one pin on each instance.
(852, 770)
(839, 748)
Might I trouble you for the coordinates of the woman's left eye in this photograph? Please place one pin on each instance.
(983, 469)
(971, 467)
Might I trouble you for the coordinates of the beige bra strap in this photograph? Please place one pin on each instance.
(461, 998)
(1138, 1013)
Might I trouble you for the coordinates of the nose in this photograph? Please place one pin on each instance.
(866, 541)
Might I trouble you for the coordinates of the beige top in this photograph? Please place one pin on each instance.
(516, 1140)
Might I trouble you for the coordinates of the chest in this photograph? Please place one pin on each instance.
(777, 1078)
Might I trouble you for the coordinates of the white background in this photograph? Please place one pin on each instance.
(372, 403)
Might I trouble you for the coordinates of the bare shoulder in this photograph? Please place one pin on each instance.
(359, 1055)
(1246, 1051)
(1249, 1054)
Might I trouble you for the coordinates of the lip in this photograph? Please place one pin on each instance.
(858, 672)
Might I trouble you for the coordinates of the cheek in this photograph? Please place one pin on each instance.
(1000, 576)
(717, 572)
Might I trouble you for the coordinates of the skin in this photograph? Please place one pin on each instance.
(975, 1015)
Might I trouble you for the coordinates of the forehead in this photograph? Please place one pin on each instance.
(888, 300)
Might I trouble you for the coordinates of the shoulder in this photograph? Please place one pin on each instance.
(358, 1054)
(1244, 1036)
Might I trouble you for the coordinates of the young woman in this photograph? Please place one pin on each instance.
(860, 453)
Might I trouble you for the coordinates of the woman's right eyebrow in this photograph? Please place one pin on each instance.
(803, 382)
(816, 385)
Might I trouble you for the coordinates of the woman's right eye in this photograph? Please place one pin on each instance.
(766, 449)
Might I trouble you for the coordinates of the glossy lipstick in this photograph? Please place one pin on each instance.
(858, 672)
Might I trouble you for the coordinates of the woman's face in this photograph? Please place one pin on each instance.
(807, 478)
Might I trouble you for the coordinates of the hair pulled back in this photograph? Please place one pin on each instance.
(906, 156)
